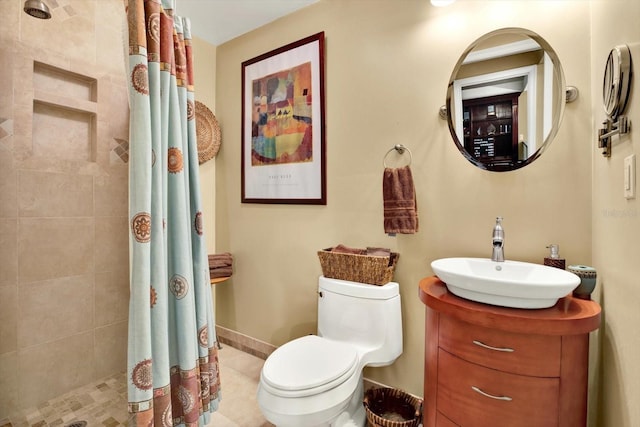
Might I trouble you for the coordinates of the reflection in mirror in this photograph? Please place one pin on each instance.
(505, 99)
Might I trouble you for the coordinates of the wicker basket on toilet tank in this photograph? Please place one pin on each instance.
(373, 270)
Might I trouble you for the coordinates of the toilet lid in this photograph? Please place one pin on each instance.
(309, 362)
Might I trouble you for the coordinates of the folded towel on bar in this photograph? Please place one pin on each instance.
(221, 272)
(221, 256)
(220, 265)
(399, 197)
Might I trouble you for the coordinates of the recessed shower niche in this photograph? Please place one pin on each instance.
(64, 114)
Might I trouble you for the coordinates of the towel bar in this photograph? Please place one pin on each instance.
(400, 149)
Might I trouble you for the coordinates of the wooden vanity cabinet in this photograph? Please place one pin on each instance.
(488, 366)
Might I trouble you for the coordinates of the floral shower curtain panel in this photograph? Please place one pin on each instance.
(173, 377)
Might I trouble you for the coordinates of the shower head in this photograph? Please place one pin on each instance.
(37, 9)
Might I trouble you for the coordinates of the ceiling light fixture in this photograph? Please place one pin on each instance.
(441, 3)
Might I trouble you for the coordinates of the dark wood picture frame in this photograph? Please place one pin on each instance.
(283, 158)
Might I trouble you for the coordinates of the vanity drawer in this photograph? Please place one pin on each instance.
(442, 421)
(535, 355)
(509, 399)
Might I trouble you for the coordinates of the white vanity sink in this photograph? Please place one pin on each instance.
(508, 284)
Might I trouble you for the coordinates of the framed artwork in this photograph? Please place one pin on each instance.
(283, 143)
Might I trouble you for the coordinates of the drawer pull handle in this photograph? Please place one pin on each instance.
(505, 398)
(503, 349)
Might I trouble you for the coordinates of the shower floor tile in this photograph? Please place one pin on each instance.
(104, 402)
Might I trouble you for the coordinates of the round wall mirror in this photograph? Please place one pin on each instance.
(505, 99)
(617, 81)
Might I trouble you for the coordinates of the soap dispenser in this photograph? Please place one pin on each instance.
(554, 260)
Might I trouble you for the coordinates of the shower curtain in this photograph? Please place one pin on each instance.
(173, 377)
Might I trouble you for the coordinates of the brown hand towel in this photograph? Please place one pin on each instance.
(399, 196)
(215, 263)
(226, 256)
(378, 251)
(221, 272)
(347, 250)
(220, 265)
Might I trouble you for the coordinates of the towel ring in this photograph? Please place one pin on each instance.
(400, 149)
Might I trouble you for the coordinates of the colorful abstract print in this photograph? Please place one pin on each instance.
(281, 117)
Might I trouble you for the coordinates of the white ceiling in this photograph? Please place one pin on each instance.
(218, 21)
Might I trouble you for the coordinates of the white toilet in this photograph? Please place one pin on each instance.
(317, 380)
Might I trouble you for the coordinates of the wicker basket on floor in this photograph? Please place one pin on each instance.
(373, 270)
(390, 407)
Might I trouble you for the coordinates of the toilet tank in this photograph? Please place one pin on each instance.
(366, 316)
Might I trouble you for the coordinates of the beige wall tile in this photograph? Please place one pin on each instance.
(109, 45)
(8, 252)
(8, 184)
(112, 195)
(21, 146)
(64, 34)
(54, 247)
(103, 141)
(6, 133)
(62, 134)
(68, 84)
(117, 115)
(111, 349)
(6, 84)
(112, 244)
(112, 98)
(51, 369)
(8, 383)
(23, 120)
(245, 343)
(22, 126)
(111, 297)
(22, 66)
(54, 309)
(8, 319)
(113, 123)
(42, 194)
(10, 12)
(54, 149)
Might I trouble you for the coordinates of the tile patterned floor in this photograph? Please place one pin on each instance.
(104, 403)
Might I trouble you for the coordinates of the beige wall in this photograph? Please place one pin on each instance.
(387, 69)
(63, 200)
(616, 227)
(205, 92)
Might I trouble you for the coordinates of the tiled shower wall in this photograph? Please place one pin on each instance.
(63, 199)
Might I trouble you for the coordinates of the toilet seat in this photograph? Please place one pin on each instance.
(308, 365)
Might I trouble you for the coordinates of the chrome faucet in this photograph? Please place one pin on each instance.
(498, 241)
